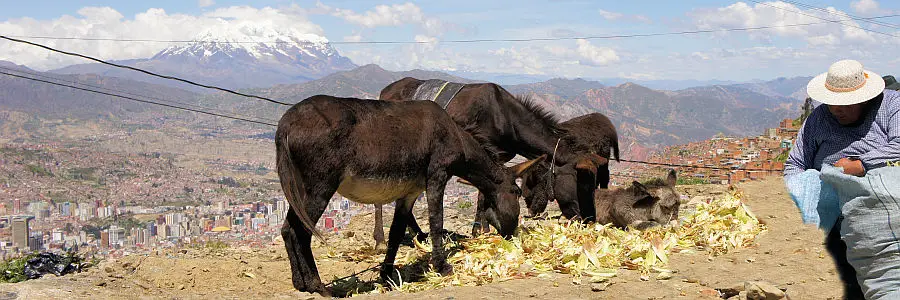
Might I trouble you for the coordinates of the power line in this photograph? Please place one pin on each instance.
(812, 16)
(138, 100)
(885, 24)
(132, 94)
(141, 70)
(698, 167)
(463, 40)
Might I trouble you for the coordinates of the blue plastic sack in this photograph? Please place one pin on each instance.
(871, 227)
(818, 202)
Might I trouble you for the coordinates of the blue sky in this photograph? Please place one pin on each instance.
(762, 54)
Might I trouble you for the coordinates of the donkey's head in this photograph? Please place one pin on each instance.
(540, 186)
(500, 207)
(646, 204)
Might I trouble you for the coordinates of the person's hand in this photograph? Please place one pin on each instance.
(851, 167)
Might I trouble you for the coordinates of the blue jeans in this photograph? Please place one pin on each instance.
(871, 226)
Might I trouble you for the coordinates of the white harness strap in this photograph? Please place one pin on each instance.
(553, 171)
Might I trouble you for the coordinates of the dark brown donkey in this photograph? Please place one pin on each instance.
(503, 124)
(597, 137)
(378, 152)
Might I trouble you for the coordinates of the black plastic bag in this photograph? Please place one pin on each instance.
(49, 262)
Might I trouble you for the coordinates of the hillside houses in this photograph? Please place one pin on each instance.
(723, 159)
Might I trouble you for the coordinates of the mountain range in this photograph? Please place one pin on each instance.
(239, 58)
(290, 67)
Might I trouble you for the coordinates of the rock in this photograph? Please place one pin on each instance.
(180, 287)
(710, 293)
(732, 291)
(101, 283)
(759, 290)
(525, 268)
(664, 276)
(599, 287)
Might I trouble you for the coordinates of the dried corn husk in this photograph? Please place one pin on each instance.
(594, 251)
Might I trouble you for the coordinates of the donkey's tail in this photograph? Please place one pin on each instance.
(293, 188)
(615, 146)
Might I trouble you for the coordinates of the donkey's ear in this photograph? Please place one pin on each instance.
(599, 160)
(591, 162)
(639, 189)
(463, 181)
(671, 178)
(523, 167)
(586, 165)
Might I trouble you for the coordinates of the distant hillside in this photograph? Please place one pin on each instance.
(43, 99)
(794, 87)
(363, 82)
(646, 118)
(565, 88)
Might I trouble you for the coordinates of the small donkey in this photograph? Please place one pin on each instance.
(641, 205)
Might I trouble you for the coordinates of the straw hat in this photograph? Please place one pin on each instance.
(845, 83)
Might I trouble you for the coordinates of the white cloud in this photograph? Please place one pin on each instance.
(389, 15)
(741, 15)
(612, 16)
(153, 24)
(596, 56)
(353, 38)
(560, 59)
(206, 3)
(865, 7)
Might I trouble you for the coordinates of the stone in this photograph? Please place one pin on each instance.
(599, 287)
(710, 293)
(759, 290)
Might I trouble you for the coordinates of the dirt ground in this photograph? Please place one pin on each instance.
(789, 255)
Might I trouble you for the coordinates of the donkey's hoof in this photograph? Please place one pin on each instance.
(422, 237)
(389, 276)
(445, 269)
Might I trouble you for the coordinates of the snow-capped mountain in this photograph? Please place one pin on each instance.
(241, 57)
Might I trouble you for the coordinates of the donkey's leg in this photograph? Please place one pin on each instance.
(297, 239)
(414, 225)
(437, 181)
(379, 226)
(481, 224)
(402, 214)
(603, 177)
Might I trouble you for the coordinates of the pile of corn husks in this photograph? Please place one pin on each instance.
(594, 251)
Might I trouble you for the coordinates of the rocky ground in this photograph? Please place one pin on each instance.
(789, 257)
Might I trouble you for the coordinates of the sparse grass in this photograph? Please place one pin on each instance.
(783, 156)
(86, 174)
(38, 170)
(690, 181)
(13, 270)
(464, 205)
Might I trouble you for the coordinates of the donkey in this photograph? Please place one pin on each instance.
(377, 152)
(504, 125)
(573, 184)
(641, 205)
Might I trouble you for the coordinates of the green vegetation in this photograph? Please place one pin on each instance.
(13, 270)
(690, 181)
(783, 156)
(95, 226)
(38, 170)
(464, 205)
(86, 174)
